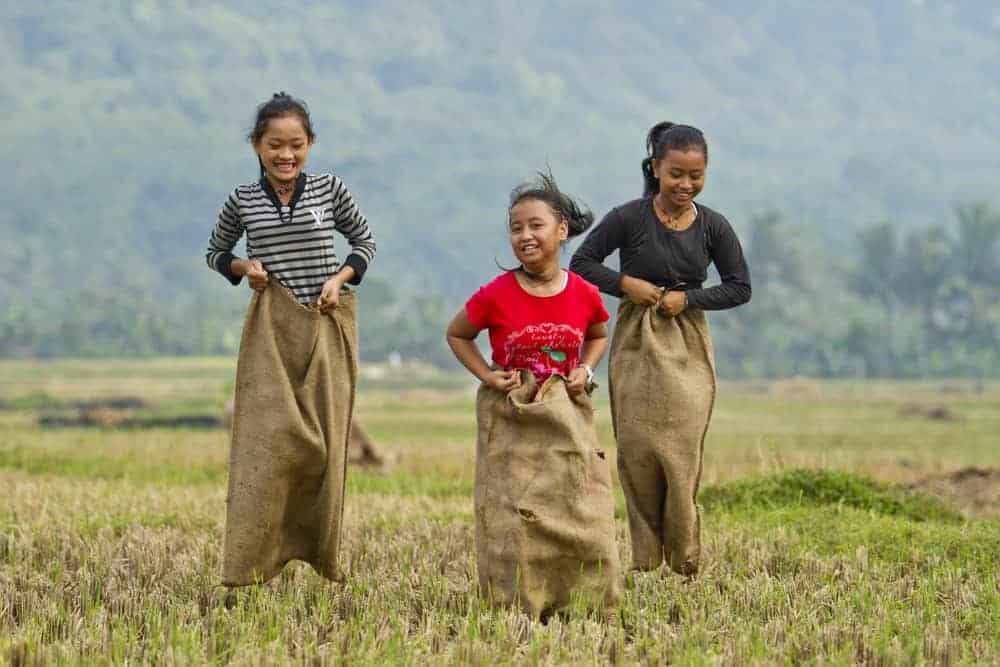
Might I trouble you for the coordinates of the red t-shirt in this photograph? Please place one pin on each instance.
(542, 334)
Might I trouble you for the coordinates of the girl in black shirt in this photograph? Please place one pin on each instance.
(661, 363)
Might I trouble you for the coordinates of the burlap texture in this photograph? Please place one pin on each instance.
(545, 529)
(662, 390)
(295, 384)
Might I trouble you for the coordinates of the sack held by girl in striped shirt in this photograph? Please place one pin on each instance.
(297, 370)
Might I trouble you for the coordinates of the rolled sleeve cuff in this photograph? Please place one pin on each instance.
(615, 284)
(359, 265)
(223, 265)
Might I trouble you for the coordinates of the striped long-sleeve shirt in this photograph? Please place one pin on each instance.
(294, 242)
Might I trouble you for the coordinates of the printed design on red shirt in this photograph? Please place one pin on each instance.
(544, 349)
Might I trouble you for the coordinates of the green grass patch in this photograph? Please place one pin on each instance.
(94, 466)
(825, 487)
(91, 465)
(36, 400)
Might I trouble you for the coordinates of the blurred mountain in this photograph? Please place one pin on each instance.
(126, 127)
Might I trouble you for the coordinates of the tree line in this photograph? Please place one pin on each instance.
(907, 302)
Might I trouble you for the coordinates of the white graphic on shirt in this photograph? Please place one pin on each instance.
(317, 214)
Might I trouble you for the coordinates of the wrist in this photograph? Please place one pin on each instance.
(345, 274)
(483, 375)
(589, 371)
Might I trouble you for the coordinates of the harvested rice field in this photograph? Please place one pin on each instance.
(843, 523)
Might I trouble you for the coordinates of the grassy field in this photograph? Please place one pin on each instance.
(815, 551)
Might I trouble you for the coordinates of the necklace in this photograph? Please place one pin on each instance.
(671, 221)
(285, 189)
(538, 278)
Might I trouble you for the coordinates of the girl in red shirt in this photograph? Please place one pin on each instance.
(545, 527)
(540, 317)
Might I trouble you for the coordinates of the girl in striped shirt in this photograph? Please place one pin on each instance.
(297, 367)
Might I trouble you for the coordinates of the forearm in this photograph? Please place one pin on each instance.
(239, 267)
(467, 352)
(344, 275)
(593, 351)
(719, 297)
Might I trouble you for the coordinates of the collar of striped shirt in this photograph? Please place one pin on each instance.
(300, 186)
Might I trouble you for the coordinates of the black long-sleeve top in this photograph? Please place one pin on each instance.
(673, 259)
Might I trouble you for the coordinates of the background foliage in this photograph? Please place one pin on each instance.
(854, 147)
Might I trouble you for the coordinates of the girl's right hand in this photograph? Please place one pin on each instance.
(640, 292)
(256, 275)
(503, 381)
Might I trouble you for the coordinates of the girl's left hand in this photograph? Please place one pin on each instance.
(330, 296)
(673, 303)
(576, 383)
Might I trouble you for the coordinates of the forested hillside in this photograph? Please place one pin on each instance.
(854, 146)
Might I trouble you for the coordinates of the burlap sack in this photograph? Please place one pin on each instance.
(662, 392)
(545, 529)
(295, 385)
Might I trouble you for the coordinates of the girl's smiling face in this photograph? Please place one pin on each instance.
(681, 174)
(283, 148)
(536, 232)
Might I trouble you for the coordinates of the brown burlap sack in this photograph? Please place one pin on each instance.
(545, 528)
(662, 392)
(295, 385)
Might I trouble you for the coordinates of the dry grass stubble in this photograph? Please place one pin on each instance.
(110, 545)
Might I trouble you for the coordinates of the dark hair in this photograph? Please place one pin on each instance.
(544, 189)
(663, 137)
(280, 105)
